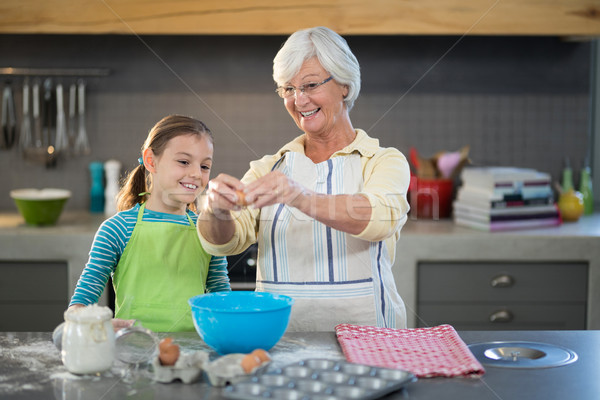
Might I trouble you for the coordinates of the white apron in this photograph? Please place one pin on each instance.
(333, 277)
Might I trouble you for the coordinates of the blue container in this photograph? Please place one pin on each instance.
(241, 321)
(97, 187)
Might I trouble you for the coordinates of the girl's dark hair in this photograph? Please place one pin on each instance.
(137, 182)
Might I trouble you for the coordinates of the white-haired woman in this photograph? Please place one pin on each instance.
(327, 208)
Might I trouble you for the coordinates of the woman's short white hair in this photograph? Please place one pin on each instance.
(331, 50)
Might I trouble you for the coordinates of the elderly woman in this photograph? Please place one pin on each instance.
(327, 208)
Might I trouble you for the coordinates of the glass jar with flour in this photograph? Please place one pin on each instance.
(88, 340)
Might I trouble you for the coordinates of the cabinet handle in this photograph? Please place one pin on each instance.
(501, 316)
(502, 281)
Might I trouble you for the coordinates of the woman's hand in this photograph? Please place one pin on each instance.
(275, 187)
(346, 213)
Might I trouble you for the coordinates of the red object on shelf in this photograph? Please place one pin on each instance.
(431, 198)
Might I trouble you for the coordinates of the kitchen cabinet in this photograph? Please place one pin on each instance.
(537, 257)
(503, 295)
(33, 295)
(265, 17)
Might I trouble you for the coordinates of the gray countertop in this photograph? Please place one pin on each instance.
(30, 368)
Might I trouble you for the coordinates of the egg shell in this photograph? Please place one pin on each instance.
(249, 362)
(241, 198)
(262, 355)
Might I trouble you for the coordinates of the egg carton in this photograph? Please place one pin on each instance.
(321, 379)
(188, 368)
(191, 367)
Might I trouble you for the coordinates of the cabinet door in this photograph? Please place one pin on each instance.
(33, 295)
(497, 296)
(502, 281)
(504, 316)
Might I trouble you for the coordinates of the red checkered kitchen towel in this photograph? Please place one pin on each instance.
(426, 352)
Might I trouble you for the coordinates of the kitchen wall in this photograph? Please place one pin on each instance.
(522, 101)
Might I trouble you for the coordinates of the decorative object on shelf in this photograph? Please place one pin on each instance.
(571, 206)
(432, 182)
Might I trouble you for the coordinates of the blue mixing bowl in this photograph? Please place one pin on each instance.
(241, 321)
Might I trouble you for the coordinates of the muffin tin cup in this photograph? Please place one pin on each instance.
(321, 379)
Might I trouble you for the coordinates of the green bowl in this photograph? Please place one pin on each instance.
(40, 207)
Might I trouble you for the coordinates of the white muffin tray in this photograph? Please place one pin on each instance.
(321, 379)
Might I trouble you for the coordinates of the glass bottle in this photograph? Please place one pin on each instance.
(585, 187)
(567, 177)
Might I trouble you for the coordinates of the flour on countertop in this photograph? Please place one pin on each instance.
(37, 358)
(290, 351)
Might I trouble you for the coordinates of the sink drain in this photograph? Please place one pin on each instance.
(522, 354)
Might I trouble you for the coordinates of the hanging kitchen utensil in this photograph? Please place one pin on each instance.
(49, 123)
(41, 151)
(61, 142)
(82, 145)
(36, 152)
(25, 140)
(47, 114)
(72, 132)
(37, 120)
(9, 119)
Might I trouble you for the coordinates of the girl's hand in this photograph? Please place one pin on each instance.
(122, 323)
(273, 188)
(225, 193)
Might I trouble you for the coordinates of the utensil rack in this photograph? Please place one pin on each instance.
(90, 72)
(54, 131)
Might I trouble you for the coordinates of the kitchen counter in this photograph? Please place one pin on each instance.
(443, 241)
(69, 240)
(30, 367)
(421, 240)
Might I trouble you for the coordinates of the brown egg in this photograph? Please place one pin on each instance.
(262, 355)
(249, 362)
(241, 198)
(168, 351)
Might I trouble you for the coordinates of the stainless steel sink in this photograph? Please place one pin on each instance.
(522, 354)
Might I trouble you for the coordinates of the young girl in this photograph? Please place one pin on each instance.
(151, 248)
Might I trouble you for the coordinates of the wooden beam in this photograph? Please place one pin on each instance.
(282, 17)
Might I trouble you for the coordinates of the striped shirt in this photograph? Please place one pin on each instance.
(109, 244)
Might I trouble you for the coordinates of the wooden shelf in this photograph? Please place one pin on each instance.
(282, 17)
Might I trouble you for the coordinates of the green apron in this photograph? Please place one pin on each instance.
(162, 266)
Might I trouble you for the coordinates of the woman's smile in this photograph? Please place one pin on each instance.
(308, 114)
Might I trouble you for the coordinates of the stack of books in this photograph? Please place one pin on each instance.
(505, 198)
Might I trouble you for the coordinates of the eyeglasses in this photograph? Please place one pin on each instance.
(307, 89)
